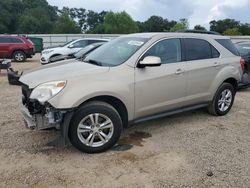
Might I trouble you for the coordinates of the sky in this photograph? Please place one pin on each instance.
(196, 11)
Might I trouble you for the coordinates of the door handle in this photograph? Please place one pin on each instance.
(216, 64)
(179, 71)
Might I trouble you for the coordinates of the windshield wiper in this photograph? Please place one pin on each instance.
(94, 62)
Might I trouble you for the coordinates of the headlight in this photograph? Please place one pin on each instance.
(47, 51)
(46, 91)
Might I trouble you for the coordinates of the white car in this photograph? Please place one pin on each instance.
(68, 48)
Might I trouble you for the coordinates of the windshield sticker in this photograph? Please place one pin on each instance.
(135, 43)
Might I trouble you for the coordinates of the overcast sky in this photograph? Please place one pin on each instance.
(197, 11)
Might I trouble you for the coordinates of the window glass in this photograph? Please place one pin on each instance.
(168, 50)
(197, 49)
(227, 43)
(96, 41)
(80, 44)
(117, 51)
(215, 53)
(5, 40)
(16, 40)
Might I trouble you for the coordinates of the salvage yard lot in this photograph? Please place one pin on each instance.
(177, 151)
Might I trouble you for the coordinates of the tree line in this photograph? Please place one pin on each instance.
(38, 17)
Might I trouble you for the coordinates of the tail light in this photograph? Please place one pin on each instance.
(242, 64)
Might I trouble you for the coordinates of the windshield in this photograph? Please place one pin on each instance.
(83, 51)
(243, 49)
(67, 43)
(116, 51)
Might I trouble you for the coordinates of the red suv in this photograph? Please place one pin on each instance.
(15, 47)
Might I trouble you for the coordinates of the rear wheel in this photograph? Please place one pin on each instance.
(95, 127)
(19, 56)
(223, 100)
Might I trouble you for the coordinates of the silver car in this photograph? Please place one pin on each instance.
(131, 79)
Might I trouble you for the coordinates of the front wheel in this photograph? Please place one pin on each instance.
(95, 127)
(223, 100)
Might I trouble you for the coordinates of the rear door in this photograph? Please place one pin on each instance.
(203, 64)
(5, 44)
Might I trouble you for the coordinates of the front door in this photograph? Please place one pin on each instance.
(162, 88)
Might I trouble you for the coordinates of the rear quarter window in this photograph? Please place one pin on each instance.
(227, 43)
(16, 40)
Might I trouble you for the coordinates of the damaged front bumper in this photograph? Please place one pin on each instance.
(44, 116)
(45, 120)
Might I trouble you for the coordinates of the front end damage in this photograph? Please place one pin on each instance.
(44, 116)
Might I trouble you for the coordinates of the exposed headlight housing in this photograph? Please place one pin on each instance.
(46, 91)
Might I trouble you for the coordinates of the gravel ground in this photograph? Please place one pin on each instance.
(192, 149)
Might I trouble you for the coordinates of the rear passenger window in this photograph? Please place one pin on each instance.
(197, 49)
(16, 40)
(5, 40)
(168, 50)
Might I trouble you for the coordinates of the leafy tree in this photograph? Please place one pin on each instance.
(116, 23)
(244, 29)
(66, 25)
(154, 24)
(9, 15)
(184, 21)
(232, 32)
(200, 28)
(35, 20)
(178, 26)
(222, 25)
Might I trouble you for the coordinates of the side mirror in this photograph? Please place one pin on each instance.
(71, 46)
(150, 61)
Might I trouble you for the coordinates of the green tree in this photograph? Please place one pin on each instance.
(178, 26)
(35, 20)
(66, 25)
(232, 32)
(116, 23)
(9, 15)
(200, 28)
(221, 26)
(244, 29)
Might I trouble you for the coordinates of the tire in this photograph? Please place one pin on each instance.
(19, 56)
(87, 127)
(216, 106)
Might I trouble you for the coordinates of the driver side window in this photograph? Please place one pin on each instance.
(168, 50)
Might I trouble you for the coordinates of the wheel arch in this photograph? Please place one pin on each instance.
(113, 101)
(232, 81)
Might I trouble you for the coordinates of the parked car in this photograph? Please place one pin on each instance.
(78, 55)
(68, 48)
(244, 50)
(131, 79)
(16, 47)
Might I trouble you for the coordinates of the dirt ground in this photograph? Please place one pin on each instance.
(192, 149)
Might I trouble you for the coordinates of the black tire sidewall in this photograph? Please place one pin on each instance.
(17, 52)
(223, 87)
(102, 108)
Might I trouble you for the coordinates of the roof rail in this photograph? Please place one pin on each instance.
(198, 31)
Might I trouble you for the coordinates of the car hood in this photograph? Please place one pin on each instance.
(62, 70)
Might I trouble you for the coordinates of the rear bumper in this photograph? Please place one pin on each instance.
(30, 52)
